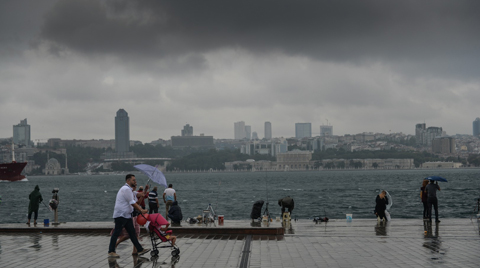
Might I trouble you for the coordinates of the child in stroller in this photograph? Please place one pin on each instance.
(159, 235)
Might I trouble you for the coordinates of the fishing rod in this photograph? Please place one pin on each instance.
(266, 212)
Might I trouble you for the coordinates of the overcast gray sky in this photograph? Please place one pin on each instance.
(380, 66)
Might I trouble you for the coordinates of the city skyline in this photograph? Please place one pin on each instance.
(67, 66)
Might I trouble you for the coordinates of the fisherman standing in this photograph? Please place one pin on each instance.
(286, 202)
(169, 195)
(35, 200)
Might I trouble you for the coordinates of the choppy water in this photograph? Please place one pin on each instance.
(92, 198)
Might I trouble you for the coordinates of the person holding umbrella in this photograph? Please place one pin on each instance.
(431, 190)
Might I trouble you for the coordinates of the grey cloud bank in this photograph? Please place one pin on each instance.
(363, 65)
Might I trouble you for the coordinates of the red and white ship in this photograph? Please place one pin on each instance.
(12, 171)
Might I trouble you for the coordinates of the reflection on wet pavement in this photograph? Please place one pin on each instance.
(381, 228)
(405, 243)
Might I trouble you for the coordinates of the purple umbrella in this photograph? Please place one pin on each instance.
(153, 173)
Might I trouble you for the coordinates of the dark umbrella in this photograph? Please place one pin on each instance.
(436, 178)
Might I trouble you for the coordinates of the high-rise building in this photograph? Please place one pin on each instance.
(239, 128)
(303, 130)
(326, 130)
(254, 135)
(21, 133)
(187, 130)
(444, 145)
(122, 132)
(476, 127)
(420, 133)
(268, 131)
(248, 132)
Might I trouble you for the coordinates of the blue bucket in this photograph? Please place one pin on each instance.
(46, 222)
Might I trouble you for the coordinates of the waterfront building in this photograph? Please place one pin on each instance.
(303, 130)
(52, 167)
(268, 131)
(122, 132)
(248, 132)
(21, 133)
(441, 165)
(239, 130)
(187, 130)
(476, 127)
(294, 160)
(326, 130)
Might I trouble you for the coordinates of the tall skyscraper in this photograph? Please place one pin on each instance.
(303, 130)
(21, 133)
(476, 127)
(326, 130)
(420, 133)
(239, 130)
(248, 132)
(268, 131)
(187, 130)
(254, 136)
(122, 132)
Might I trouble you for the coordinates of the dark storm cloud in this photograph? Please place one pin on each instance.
(328, 30)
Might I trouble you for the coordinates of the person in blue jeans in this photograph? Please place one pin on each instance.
(124, 205)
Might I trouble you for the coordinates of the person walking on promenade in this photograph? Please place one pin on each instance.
(153, 201)
(124, 205)
(381, 205)
(286, 202)
(138, 197)
(424, 197)
(35, 200)
(431, 189)
(169, 195)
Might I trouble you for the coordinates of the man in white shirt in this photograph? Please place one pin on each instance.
(169, 195)
(122, 214)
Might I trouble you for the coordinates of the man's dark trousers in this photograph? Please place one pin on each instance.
(432, 201)
(121, 223)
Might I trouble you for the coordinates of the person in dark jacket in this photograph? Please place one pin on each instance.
(286, 202)
(381, 205)
(175, 213)
(35, 200)
(424, 197)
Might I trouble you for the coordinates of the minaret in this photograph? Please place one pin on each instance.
(13, 152)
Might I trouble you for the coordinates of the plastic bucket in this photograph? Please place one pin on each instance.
(46, 222)
(349, 217)
(220, 219)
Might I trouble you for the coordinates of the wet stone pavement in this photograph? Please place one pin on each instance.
(361, 243)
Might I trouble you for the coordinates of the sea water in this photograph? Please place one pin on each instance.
(316, 193)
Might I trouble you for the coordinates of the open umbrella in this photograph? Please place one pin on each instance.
(153, 173)
(436, 178)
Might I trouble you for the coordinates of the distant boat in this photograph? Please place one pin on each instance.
(12, 171)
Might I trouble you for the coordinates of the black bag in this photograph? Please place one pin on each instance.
(257, 209)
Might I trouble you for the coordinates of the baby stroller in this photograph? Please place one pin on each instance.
(157, 236)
